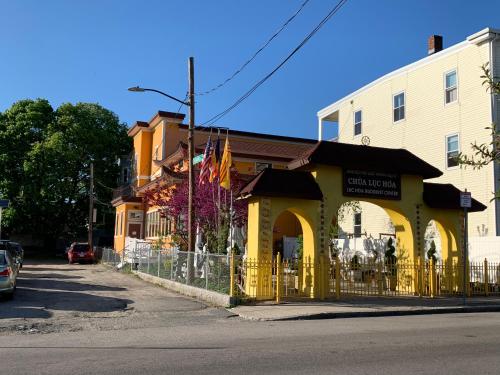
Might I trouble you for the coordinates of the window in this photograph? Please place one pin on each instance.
(126, 175)
(116, 223)
(357, 122)
(399, 107)
(156, 153)
(452, 151)
(259, 167)
(357, 224)
(451, 87)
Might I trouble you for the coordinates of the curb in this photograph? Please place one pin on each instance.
(378, 313)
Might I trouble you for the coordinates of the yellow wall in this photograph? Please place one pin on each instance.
(121, 223)
(142, 150)
(409, 215)
(157, 148)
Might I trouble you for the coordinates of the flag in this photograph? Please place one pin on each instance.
(225, 166)
(215, 158)
(205, 163)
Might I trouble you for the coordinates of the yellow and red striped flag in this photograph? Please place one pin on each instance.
(225, 166)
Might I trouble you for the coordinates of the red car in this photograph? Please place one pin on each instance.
(79, 253)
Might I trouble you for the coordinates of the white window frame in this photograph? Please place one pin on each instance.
(354, 123)
(394, 121)
(446, 149)
(354, 225)
(446, 89)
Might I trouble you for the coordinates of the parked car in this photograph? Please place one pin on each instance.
(19, 252)
(80, 252)
(12, 250)
(8, 274)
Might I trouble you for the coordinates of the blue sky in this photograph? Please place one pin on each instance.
(92, 50)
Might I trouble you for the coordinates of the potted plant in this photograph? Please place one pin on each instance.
(390, 264)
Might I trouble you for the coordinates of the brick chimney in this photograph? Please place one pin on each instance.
(434, 44)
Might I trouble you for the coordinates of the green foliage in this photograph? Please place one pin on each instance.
(432, 252)
(390, 257)
(45, 159)
(300, 247)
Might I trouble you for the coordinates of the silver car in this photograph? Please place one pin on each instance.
(8, 274)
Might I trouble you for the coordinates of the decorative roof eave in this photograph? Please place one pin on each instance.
(447, 196)
(282, 183)
(169, 177)
(175, 157)
(368, 158)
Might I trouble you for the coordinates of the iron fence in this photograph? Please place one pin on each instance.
(307, 278)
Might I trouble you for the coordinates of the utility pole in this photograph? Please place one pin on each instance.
(191, 229)
(91, 207)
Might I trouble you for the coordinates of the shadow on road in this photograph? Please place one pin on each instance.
(42, 290)
(32, 303)
(27, 268)
(70, 286)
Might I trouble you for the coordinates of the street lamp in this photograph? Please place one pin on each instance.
(190, 104)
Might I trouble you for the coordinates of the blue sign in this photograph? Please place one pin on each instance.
(197, 159)
(4, 203)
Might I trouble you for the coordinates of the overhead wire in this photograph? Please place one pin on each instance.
(242, 67)
(330, 14)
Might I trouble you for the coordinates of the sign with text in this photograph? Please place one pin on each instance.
(372, 184)
(4, 203)
(465, 199)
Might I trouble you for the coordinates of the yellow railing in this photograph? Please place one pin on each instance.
(277, 279)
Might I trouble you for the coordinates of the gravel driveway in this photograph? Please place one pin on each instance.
(53, 296)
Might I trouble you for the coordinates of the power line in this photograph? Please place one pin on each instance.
(238, 71)
(330, 14)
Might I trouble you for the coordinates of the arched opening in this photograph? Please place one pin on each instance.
(432, 241)
(287, 236)
(293, 239)
(438, 235)
(360, 229)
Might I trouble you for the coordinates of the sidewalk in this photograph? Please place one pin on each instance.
(351, 307)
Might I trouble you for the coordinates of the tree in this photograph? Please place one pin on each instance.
(485, 153)
(45, 158)
(212, 217)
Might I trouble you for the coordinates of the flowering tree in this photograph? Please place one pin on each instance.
(212, 207)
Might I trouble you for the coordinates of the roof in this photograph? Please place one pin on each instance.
(242, 133)
(367, 158)
(283, 183)
(470, 40)
(447, 196)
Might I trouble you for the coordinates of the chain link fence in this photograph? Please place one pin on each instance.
(202, 270)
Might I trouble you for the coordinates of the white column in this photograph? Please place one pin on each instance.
(320, 128)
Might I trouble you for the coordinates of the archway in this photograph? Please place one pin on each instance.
(287, 236)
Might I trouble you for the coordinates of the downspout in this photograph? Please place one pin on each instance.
(496, 165)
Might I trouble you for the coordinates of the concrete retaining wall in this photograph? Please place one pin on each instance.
(212, 298)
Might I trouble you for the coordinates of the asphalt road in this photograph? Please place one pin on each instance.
(84, 319)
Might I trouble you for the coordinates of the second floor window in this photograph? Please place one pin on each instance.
(357, 224)
(452, 151)
(451, 87)
(399, 107)
(357, 122)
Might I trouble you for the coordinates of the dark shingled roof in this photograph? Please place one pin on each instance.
(283, 183)
(447, 196)
(368, 158)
